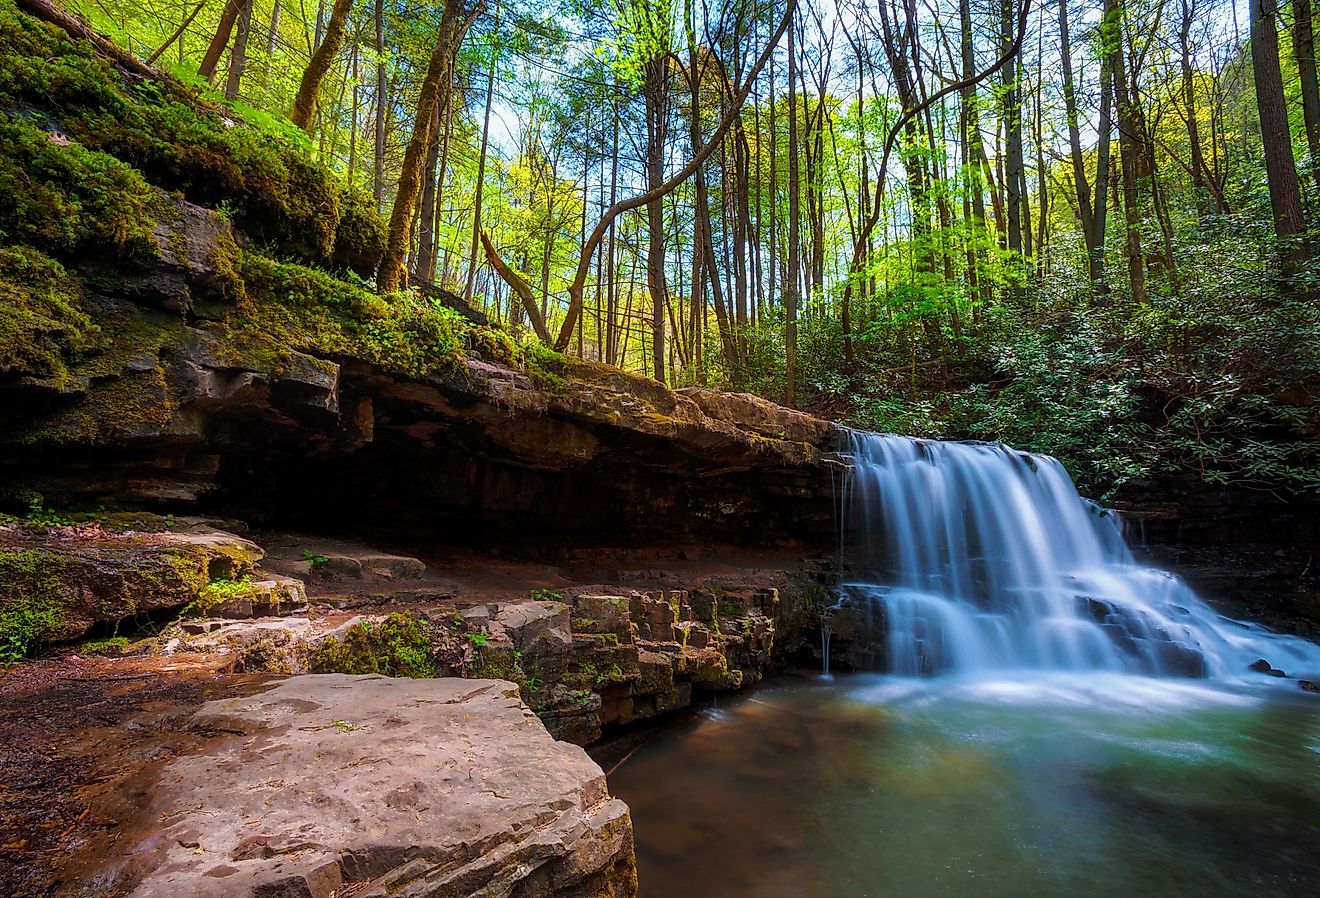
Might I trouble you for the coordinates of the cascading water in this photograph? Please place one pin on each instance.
(974, 556)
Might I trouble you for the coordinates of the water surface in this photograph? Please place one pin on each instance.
(1045, 784)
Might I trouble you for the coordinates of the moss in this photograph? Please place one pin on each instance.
(265, 173)
(138, 404)
(32, 598)
(112, 646)
(290, 306)
(219, 591)
(45, 320)
(68, 200)
(398, 646)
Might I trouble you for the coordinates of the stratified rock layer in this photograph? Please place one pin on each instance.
(415, 788)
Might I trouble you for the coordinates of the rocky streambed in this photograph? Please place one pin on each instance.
(289, 714)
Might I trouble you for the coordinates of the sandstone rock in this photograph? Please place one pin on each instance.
(534, 626)
(77, 583)
(760, 416)
(413, 788)
(193, 246)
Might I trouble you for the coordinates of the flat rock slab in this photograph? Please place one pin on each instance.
(416, 788)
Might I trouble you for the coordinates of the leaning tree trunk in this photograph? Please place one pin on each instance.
(223, 29)
(304, 104)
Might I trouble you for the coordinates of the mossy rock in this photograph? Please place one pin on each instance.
(52, 591)
(46, 322)
(265, 176)
(398, 646)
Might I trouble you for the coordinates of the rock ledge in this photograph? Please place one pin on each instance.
(416, 788)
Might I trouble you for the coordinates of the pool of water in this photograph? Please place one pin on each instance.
(1074, 785)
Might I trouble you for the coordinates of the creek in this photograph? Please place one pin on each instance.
(1041, 715)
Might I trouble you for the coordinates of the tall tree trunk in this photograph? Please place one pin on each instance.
(273, 34)
(436, 89)
(480, 187)
(223, 29)
(1188, 73)
(1011, 115)
(238, 55)
(972, 150)
(1099, 214)
(611, 282)
(655, 74)
(1303, 40)
(1280, 167)
(1082, 186)
(425, 265)
(791, 276)
(309, 88)
(378, 180)
(1132, 144)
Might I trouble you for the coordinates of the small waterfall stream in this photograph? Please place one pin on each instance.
(974, 556)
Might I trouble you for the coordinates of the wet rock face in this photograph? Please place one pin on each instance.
(416, 788)
(1250, 553)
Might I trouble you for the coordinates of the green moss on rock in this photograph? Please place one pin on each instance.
(398, 646)
(32, 598)
(66, 199)
(45, 320)
(266, 176)
(290, 306)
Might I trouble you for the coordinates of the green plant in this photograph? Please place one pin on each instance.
(398, 646)
(33, 598)
(478, 640)
(316, 561)
(112, 646)
(545, 595)
(219, 591)
(24, 625)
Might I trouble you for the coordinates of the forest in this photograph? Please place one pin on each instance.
(1081, 227)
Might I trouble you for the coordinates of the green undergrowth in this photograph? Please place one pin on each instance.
(264, 177)
(398, 646)
(292, 306)
(31, 601)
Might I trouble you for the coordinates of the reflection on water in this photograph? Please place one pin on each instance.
(1068, 784)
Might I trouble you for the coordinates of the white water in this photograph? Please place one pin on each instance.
(976, 557)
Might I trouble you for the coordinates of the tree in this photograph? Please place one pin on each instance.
(309, 88)
(1280, 167)
(455, 19)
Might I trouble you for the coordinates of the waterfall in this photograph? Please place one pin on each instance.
(975, 556)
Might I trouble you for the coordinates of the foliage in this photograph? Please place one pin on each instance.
(290, 306)
(398, 646)
(65, 199)
(176, 141)
(31, 602)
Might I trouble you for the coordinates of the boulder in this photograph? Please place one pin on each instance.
(333, 784)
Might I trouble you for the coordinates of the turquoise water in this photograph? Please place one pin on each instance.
(1054, 784)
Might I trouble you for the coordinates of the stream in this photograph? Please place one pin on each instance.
(1046, 716)
(1068, 785)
